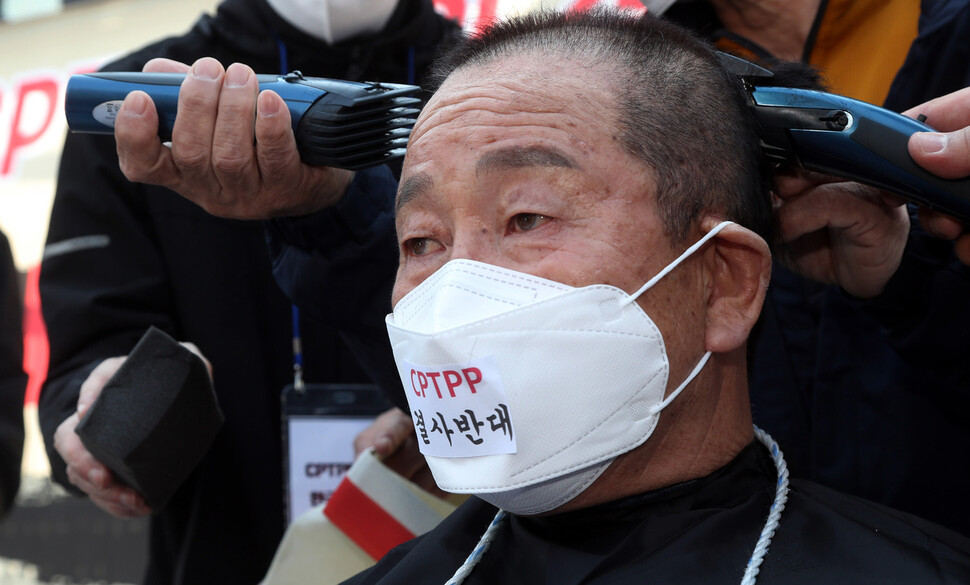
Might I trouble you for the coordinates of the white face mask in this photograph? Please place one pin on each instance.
(522, 389)
(334, 21)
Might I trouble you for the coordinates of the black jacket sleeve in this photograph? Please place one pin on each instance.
(924, 310)
(102, 281)
(13, 381)
(338, 265)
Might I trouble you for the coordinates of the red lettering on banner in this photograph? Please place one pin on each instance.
(90, 67)
(453, 9)
(17, 140)
(3, 139)
(36, 346)
(486, 14)
(473, 21)
(584, 5)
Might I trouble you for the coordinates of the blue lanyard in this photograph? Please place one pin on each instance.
(298, 383)
(284, 55)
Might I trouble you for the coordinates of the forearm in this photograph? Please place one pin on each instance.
(338, 266)
(58, 401)
(102, 281)
(923, 309)
(338, 263)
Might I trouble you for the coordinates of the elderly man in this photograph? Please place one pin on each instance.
(617, 445)
(581, 220)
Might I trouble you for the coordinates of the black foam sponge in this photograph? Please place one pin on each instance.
(155, 418)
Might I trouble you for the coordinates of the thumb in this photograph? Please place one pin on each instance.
(162, 65)
(195, 349)
(946, 155)
(93, 385)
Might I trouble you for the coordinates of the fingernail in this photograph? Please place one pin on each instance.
(384, 446)
(267, 106)
(136, 104)
(931, 142)
(236, 76)
(206, 69)
(95, 476)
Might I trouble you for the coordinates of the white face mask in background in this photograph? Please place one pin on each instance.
(523, 390)
(334, 21)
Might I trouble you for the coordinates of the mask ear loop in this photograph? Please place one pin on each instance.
(670, 398)
(676, 262)
(690, 377)
(703, 361)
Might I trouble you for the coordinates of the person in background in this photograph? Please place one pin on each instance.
(862, 387)
(122, 256)
(13, 380)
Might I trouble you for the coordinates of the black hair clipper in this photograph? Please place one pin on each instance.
(848, 138)
(337, 123)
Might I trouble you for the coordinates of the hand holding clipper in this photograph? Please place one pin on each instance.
(336, 123)
(233, 152)
(848, 138)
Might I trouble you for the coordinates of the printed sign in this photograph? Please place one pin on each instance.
(459, 410)
(321, 450)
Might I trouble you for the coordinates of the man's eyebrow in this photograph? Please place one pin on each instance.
(414, 185)
(523, 156)
(504, 158)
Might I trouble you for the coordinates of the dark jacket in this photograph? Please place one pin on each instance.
(124, 256)
(13, 380)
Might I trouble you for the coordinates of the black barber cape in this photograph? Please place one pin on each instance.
(701, 531)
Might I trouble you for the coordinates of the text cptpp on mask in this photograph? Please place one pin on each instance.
(460, 410)
(453, 381)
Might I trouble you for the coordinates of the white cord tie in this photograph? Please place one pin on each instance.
(757, 556)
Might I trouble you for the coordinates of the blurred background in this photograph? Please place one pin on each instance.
(50, 537)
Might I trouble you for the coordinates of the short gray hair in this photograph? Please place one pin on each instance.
(680, 111)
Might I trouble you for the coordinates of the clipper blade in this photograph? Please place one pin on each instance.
(358, 126)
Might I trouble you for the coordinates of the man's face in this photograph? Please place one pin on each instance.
(517, 164)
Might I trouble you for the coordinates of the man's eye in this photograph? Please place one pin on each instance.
(524, 222)
(419, 246)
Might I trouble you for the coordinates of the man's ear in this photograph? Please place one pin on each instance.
(739, 270)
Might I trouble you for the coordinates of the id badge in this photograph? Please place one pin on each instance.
(320, 423)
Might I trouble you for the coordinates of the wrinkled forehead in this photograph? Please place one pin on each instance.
(525, 89)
